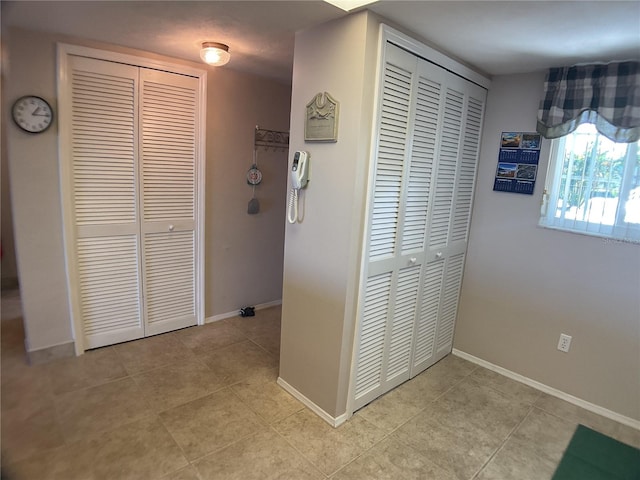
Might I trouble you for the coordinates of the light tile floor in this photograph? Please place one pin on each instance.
(203, 403)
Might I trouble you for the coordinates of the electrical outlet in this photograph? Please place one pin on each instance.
(564, 343)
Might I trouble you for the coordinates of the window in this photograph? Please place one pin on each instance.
(593, 186)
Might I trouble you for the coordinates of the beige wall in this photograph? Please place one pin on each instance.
(524, 285)
(243, 254)
(322, 252)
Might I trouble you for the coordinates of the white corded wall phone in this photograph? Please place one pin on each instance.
(299, 179)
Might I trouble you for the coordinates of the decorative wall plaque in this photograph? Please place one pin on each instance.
(321, 123)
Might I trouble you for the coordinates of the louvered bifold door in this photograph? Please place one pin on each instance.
(389, 299)
(168, 139)
(427, 133)
(458, 150)
(103, 162)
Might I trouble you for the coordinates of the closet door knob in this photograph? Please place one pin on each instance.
(171, 227)
(413, 260)
(439, 255)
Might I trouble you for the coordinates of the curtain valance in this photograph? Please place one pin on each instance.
(607, 95)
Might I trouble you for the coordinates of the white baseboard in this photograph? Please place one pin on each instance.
(550, 390)
(235, 313)
(333, 421)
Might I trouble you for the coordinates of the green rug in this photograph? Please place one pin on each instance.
(593, 456)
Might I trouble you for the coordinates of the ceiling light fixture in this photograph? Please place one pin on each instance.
(214, 53)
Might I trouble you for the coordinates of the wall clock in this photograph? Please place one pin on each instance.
(32, 114)
(254, 176)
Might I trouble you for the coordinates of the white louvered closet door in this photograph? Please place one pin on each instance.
(396, 238)
(457, 140)
(428, 132)
(104, 182)
(169, 113)
(133, 155)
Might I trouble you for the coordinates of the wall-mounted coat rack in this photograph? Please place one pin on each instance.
(271, 139)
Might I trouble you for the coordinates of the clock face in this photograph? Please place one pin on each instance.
(32, 114)
(254, 176)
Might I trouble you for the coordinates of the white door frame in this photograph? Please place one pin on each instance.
(64, 51)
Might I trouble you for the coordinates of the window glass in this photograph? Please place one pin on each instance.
(593, 186)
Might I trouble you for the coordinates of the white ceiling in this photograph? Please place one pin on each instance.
(497, 37)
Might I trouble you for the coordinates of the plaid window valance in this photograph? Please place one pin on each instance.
(607, 95)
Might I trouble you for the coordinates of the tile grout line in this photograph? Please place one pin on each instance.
(537, 407)
(391, 436)
(442, 394)
(272, 427)
(205, 455)
(264, 422)
(271, 354)
(99, 433)
(503, 443)
(88, 387)
(184, 455)
(394, 430)
(246, 405)
(386, 436)
(199, 397)
(197, 459)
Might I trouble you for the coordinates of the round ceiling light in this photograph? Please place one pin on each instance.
(214, 53)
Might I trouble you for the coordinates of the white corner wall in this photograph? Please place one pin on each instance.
(29, 67)
(322, 253)
(524, 285)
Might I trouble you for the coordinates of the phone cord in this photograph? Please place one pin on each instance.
(292, 214)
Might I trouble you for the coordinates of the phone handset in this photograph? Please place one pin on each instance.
(299, 179)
